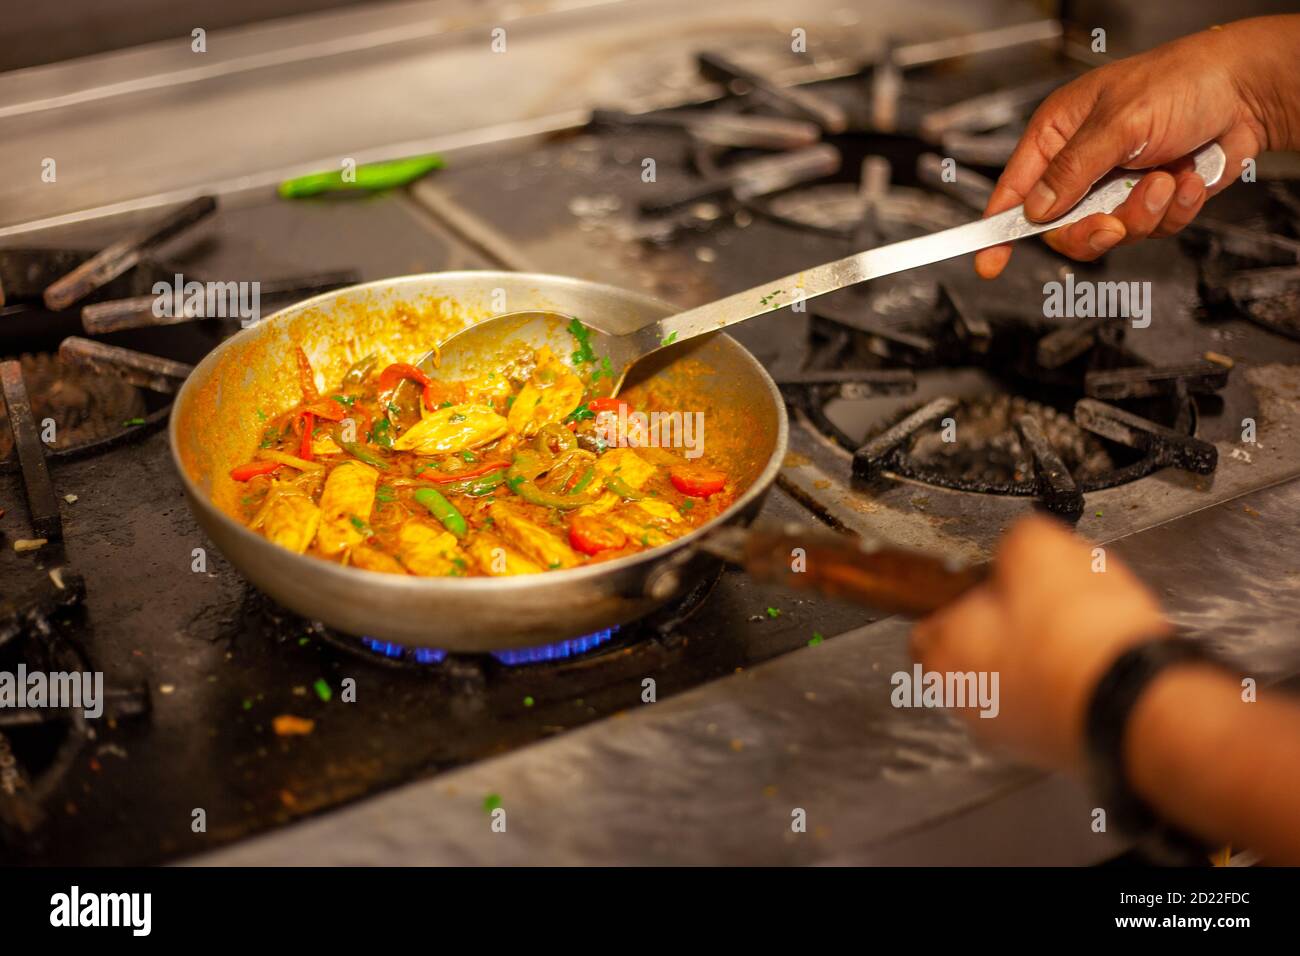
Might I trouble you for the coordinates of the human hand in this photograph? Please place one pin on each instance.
(1049, 625)
(1143, 112)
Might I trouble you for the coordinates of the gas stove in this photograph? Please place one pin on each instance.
(738, 699)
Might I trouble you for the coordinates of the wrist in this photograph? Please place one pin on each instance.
(1263, 52)
(1118, 727)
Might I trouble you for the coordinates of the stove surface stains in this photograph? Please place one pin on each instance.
(230, 704)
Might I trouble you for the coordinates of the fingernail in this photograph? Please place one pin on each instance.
(1159, 193)
(1103, 239)
(1040, 200)
(1188, 193)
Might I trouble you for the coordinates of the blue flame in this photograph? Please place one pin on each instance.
(561, 650)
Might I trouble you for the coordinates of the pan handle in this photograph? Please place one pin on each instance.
(874, 573)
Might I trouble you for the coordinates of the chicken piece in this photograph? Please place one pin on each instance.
(372, 559)
(325, 446)
(428, 552)
(660, 509)
(626, 464)
(455, 428)
(288, 519)
(345, 505)
(538, 542)
(550, 395)
(494, 558)
(647, 523)
(602, 505)
(490, 389)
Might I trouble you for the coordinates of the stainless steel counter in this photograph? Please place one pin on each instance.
(714, 775)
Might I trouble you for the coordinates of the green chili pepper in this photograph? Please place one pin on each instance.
(621, 488)
(477, 487)
(443, 510)
(556, 435)
(359, 452)
(382, 175)
(584, 481)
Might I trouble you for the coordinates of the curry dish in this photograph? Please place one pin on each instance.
(516, 472)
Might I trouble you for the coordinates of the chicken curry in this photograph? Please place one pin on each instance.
(516, 472)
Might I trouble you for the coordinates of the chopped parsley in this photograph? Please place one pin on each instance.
(816, 639)
(347, 400)
(322, 690)
(583, 353)
(774, 612)
(668, 339)
(581, 413)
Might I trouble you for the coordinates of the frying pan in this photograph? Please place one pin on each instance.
(217, 421)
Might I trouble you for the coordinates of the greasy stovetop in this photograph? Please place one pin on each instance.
(202, 665)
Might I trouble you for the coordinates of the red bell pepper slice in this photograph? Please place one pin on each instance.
(253, 469)
(697, 482)
(599, 405)
(308, 426)
(392, 376)
(327, 408)
(591, 535)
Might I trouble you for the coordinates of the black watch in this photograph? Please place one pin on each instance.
(1106, 724)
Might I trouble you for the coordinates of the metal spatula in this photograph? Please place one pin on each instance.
(478, 346)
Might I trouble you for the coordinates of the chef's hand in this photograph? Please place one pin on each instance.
(1049, 623)
(1237, 85)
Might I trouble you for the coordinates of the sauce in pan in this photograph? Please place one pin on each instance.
(524, 470)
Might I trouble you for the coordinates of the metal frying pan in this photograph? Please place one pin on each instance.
(218, 416)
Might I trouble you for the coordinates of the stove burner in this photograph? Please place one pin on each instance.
(85, 407)
(546, 653)
(659, 625)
